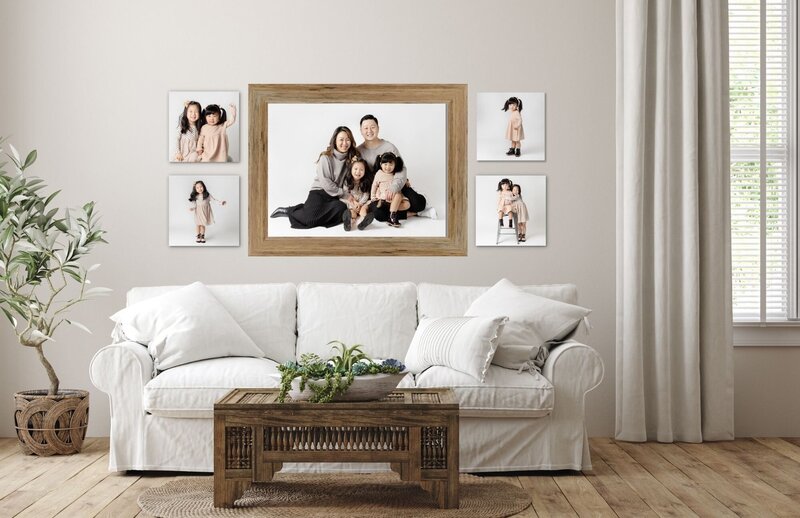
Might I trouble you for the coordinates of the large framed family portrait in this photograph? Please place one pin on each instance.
(357, 169)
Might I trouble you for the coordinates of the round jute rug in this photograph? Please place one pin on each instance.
(335, 495)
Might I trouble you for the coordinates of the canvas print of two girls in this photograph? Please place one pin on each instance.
(203, 126)
(511, 210)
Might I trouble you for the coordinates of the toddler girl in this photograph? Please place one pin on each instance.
(514, 131)
(200, 200)
(189, 130)
(212, 145)
(505, 201)
(356, 188)
(385, 167)
(522, 211)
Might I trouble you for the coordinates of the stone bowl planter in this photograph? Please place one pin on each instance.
(51, 425)
(370, 387)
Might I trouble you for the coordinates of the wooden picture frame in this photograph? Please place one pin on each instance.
(453, 100)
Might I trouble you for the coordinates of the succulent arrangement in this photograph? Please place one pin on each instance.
(338, 372)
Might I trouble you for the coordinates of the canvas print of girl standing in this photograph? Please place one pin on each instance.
(203, 126)
(511, 210)
(204, 210)
(511, 126)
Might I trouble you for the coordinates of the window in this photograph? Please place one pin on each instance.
(764, 187)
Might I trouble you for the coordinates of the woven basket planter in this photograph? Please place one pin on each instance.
(51, 425)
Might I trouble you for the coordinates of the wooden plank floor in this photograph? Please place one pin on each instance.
(746, 477)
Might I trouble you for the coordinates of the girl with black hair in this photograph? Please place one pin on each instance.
(521, 210)
(357, 185)
(514, 131)
(212, 145)
(200, 200)
(505, 201)
(189, 125)
(385, 167)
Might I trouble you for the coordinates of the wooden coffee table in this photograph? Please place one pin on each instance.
(416, 430)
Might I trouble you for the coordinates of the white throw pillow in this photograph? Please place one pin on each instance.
(183, 326)
(466, 344)
(532, 320)
(515, 356)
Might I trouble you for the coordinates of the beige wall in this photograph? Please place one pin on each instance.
(86, 84)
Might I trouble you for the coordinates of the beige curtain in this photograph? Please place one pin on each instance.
(674, 321)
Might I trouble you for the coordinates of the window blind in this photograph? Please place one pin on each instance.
(762, 182)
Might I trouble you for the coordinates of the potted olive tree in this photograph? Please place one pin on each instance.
(41, 279)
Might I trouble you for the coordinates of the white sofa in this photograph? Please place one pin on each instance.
(513, 421)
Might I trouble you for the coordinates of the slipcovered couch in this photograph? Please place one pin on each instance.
(514, 420)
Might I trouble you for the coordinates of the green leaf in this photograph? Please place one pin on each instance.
(30, 159)
(14, 155)
(10, 317)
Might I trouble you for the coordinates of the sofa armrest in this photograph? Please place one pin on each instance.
(574, 367)
(121, 371)
(118, 365)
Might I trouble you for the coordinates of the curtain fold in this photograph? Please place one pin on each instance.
(674, 318)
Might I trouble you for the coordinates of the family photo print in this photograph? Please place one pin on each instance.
(357, 169)
(203, 126)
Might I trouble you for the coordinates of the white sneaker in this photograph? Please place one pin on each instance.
(428, 212)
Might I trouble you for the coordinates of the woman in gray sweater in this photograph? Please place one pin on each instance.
(322, 207)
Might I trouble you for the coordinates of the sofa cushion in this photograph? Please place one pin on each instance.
(190, 390)
(532, 320)
(504, 392)
(466, 344)
(381, 317)
(183, 326)
(265, 312)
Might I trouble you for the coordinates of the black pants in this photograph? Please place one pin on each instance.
(319, 210)
(417, 201)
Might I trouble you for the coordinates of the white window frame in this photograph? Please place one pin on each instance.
(783, 333)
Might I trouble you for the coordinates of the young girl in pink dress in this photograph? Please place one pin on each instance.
(212, 145)
(357, 184)
(386, 165)
(521, 210)
(505, 201)
(188, 132)
(200, 200)
(514, 131)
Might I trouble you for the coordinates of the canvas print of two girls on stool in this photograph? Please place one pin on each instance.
(203, 128)
(511, 210)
